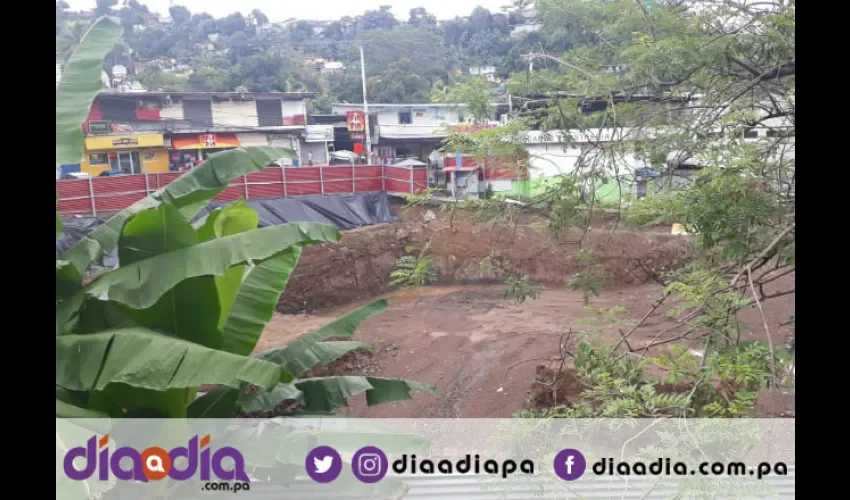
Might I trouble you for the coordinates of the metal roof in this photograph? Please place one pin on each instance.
(415, 105)
(286, 96)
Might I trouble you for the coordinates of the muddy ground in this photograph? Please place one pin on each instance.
(481, 351)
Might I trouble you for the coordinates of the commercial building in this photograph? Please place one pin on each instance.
(145, 132)
(413, 130)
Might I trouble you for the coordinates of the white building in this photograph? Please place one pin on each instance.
(413, 130)
(488, 72)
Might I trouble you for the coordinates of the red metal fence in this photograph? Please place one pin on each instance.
(111, 194)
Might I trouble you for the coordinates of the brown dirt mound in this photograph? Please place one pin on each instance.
(463, 249)
(547, 392)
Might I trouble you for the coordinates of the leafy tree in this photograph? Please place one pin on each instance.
(239, 45)
(453, 31)
(301, 31)
(333, 31)
(714, 71)
(154, 78)
(487, 47)
(102, 7)
(69, 37)
(381, 18)
(132, 14)
(259, 18)
(475, 93)
(399, 83)
(346, 86)
(231, 24)
(386, 46)
(421, 17)
(212, 78)
(180, 15)
(137, 342)
(480, 20)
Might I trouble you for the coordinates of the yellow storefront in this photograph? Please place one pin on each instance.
(129, 154)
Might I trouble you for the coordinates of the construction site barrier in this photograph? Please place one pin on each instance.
(105, 195)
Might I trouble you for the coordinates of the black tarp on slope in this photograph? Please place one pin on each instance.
(73, 230)
(343, 211)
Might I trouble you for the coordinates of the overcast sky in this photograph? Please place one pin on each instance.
(319, 10)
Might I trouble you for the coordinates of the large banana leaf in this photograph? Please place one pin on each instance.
(218, 403)
(67, 410)
(236, 218)
(79, 86)
(191, 309)
(143, 358)
(308, 351)
(67, 279)
(140, 284)
(320, 395)
(189, 192)
(256, 300)
(330, 393)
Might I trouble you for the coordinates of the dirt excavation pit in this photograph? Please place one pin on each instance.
(484, 354)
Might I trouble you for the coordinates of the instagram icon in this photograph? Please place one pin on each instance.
(369, 464)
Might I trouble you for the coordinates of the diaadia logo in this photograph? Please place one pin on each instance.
(155, 463)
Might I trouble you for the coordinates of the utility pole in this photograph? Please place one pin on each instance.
(365, 106)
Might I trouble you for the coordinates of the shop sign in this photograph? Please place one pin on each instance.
(355, 121)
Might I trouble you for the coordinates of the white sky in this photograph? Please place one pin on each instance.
(317, 10)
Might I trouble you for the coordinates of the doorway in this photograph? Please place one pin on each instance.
(126, 162)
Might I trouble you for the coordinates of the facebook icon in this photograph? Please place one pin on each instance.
(570, 464)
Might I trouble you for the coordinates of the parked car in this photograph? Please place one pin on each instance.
(75, 175)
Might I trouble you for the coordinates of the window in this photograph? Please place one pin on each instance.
(404, 118)
(270, 113)
(117, 109)
(750, 133)
(127, 162)
(773, 133)
(98, 159)
(198, 112)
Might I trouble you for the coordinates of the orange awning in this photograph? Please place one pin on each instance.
(204, 141)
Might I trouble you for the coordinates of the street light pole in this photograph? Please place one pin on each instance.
(365, 106)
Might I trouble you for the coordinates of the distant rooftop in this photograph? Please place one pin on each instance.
(239, 96)
(416, 105)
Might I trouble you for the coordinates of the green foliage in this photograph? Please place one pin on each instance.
(414, 270)
(520, 289)
(154, 78)
(725, 385)
(723, 207)
(591, 278)
(601, 361)
(475, 93)
(603, 317)
(739, 205)
(404, 60)
(138, 341)
(79, 85)
(418, 199)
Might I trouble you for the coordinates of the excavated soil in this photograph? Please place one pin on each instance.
(486, 355)
(467, 250)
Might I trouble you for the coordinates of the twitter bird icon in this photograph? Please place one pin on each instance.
(323, 464)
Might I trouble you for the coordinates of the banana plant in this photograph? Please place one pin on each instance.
(188, 302)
